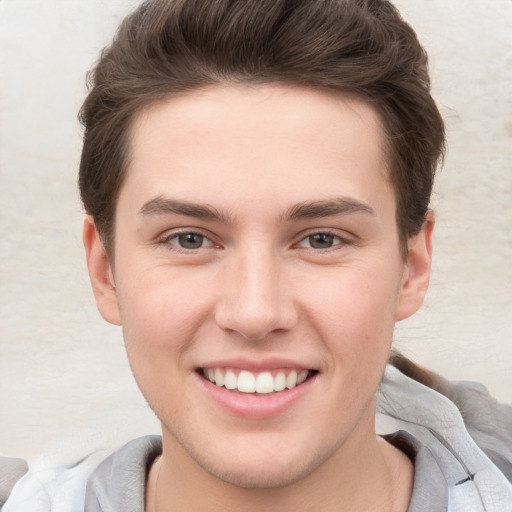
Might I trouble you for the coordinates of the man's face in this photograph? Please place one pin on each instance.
(256, 239)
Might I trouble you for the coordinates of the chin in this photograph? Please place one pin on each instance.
(261, 467)
(261, 475)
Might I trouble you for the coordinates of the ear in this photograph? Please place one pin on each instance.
(417, 270)
(100, 273)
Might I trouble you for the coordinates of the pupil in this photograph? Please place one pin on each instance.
(191, 240)
(321, 241)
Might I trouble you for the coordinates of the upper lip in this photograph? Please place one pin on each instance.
(260, 365)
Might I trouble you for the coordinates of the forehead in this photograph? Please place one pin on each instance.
(246, 143)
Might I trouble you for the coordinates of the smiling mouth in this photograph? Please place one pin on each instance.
(265, 382)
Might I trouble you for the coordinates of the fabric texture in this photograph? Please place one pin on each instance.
(473, 482)
(11, 470)
(452, 473)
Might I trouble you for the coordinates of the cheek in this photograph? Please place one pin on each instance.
(162, 313)
(355, 308)
(161, 310)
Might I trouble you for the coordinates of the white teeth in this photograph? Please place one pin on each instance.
(301, 377)
(291, 380)
(280, 382)
(219, 377)
(248, 382)
(230, 380)
(264, 383)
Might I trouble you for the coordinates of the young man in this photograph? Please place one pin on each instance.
(256, 176)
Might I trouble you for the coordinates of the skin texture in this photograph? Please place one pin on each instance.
(258, 289)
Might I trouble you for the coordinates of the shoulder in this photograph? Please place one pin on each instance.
(51, 486)
(468, 433)
(98, 481)
(488, 421)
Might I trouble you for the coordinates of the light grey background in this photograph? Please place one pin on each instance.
(63, 372)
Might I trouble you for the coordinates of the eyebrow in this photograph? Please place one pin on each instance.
(162, 205)
(306, 210)
(328, 208)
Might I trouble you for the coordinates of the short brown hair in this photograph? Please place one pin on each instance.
(171, 46)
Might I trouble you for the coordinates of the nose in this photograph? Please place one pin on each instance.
(255, 300)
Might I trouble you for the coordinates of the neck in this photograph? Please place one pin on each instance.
(365, 474)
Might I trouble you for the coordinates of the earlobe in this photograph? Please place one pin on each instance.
(417, 270)
(100, 273)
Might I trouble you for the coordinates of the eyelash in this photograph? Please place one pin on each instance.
(167, 241)
(337, 240)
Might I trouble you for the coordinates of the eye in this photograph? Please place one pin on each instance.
(320, 241)
(188, 241)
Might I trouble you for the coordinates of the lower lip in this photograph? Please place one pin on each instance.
(248, 405)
